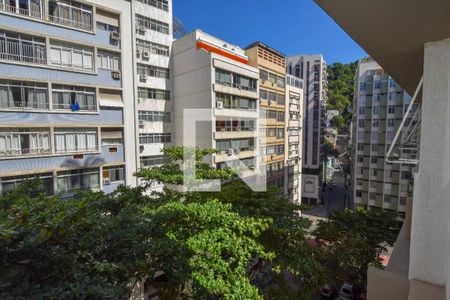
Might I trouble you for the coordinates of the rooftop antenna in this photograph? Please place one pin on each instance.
(178, 28)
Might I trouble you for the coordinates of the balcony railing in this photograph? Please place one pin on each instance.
(23, 51)
(24, 151)
(69, 106)
(237, 86)
(239, 128)
(70, 22)
(21, 11)
(24, 104)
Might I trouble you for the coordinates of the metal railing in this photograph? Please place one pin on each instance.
(23, 104)
(23, 51)
(238, 128)
(83, 107)
(24, 151)
(21, 11)
(70, 22)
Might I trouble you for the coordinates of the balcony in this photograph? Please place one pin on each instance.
(241, 153)
(23, 50)
(234, 132)
(33, 13)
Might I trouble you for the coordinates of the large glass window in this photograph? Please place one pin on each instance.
(235, 124)
(153, 71)
(235, 80)
(152, 47)
(236, 102)
(113, 174)
(146, 93)
(80, 179)
(70, 13)
(10, 184)
(154, 116)
(69, 140)
(280, 81)
(155, 138)
(71, 56)
(74, 98)
(242, 144)
(108, 61)
(19, 94)
(22, 48)
(161, 4)
(154, 160)
(152, 24)
(32, 8)
(15, 142)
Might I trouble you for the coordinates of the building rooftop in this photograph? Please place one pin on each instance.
(268, 48)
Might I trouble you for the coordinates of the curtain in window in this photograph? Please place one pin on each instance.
(6, 99)
(60, 143)
(41, 98)
(91, 141)
(70, 142)
(90, 101)
(66, 57)
(80, 98)
(2, 144)
(63, 185)
(55, 55)
(15, 143)
(29, 93)
(81, 141)
(35, 7)
(77, 59)
(87, 60)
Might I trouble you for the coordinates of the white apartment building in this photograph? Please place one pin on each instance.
(211, 74)
(294, 137)
(153, 101)
(312, 69)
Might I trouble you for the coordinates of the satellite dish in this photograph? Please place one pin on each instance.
(178, 28)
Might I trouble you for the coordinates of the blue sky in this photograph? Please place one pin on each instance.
(290, 26)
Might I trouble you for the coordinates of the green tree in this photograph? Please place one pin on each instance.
(353, 240)
(339, 123)
(96, 246)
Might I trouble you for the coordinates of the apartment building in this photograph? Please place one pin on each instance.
(66, 95)
(312, 69)
(272, 104)
(293, 141)
(153, 39)
(215, 76)
(379, 106)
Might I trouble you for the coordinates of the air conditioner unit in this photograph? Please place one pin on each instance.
(141, 148)
(270, 102)
(115, 75)
(115, 36)
(239, 87)
(106, 181)
(230, 151)
(263, 81)
(145, 54)
(219, 104)
(138, 52)
(237, 151)
(143, 77)
(140, 28)
(141, 123)
(140, 100)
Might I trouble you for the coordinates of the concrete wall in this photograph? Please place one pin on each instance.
(430, 219)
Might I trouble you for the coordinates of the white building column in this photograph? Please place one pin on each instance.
(431, 209)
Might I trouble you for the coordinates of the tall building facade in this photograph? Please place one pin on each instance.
(215, 76)
(153, 37)
(379, 107)
(272, 104)
(293, 141)
(66, 95)
(312, 69)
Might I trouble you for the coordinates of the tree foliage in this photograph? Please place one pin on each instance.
(340, 92)
(353, 240)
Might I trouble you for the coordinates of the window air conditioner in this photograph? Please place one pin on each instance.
(219, 104)
(106, 181)
(141, 123)
(115, 75)
(146, 54)
(230, 151)
(115, 36)
(143, 77)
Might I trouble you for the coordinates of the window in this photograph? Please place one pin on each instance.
(391, 122)
(280, 133)
(70, 13)
(235, 124)
(154, 160)
(360, 158)
(152, 24)
(154, 116)
(373, 160)
(107, 27)
(374, 147)
(374, 172)
(263, 75)
(161, 4)
(22, 48)
(75, 140)
(362, 86)
(270, 150)
(271, 114)
(391, 96)
(376, 110)
(10, 184)
(392, 83)
(15, 141)
(249, 162)
(153, 71)
(403, 201)
(280, 150)
(361, 123)
(19, 94)
(112, 137)
(74, 98)
(32, 8)
(360, 147)
(280, 99)
(280, 116)
(80, 179)
(362, 110)
(273, 97)
(263, 94)
(391, 109)
(154, 138)
(272, 78)
(377, 84)
(358, 193)
(151, 47)
(113, 174)
(375, 122)
(280, 81)
(377, 97)
(156, 94)
(387, 199)
(108, 61)
(241, 144)
(405, 175)
(236, 102)
(71, 56)
(271, 132)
